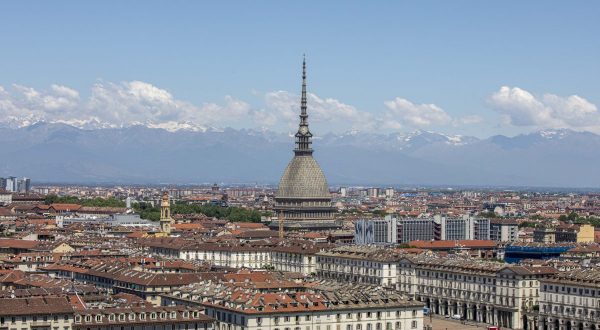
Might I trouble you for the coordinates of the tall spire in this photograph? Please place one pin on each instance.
(303, 136)
(303, 115)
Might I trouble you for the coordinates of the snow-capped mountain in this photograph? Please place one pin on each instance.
(60, 152)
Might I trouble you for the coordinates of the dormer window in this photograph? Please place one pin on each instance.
(88, 318)
(98, 318)
(153, 316)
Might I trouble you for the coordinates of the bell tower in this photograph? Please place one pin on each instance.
(165, 214)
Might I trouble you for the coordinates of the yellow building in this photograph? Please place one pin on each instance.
(585, 234)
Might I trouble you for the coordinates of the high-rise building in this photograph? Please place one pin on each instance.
(504, 230)
(389, 192)
(11, 184)
(376, 231)
(303, 198)
(418, 229)
(373, 192)
(23, 185)
(443, 228)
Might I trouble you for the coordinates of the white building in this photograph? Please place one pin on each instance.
(330, 306)
(569, 300)
(359, 264)
(482, 291)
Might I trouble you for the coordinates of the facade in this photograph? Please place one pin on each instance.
(359, 264)
(143, 317)
(288, 255)
(504, 230)
(330, 306)
(114, 220)
(443, 228)
(5, 197)
(14, 184)
(487, 292)
(464, 228)
(417, 229)
(565, 233)
(36, 313)
(569, 300)
(303, 198)
(376, 231)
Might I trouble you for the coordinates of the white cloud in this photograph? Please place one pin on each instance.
(285, 106)
(115, 105)
(135, 102)
(470, 120)
(402, 112)
(519, 107)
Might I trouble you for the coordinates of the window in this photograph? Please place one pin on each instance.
(413, 324)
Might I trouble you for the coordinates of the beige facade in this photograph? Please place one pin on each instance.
(356, 264)
(569, 300)
(486, 292)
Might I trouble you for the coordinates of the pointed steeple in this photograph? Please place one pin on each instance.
(303, 115)
(303, 136)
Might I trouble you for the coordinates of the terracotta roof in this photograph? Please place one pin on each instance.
(35, 305)
(65, 207)
(18, 243)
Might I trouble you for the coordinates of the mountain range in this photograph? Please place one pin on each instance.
(55, 152)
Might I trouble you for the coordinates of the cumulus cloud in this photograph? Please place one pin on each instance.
(115, 105)
(110, 104)
(521, 108)
(402, 112)
(285, 106)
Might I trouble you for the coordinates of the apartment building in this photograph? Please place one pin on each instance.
(70, 313)
(359, 264)
(54, 313)
(481, 291)
(119, 278)
(443, 228)
(569, 300)
(329, 306)
(287, 255)
(504, 230)
(143, 317)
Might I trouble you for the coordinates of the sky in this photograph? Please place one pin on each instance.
(458, 67)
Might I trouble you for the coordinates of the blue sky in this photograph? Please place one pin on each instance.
(460, 67)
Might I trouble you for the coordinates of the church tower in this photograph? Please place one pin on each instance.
(165, 214)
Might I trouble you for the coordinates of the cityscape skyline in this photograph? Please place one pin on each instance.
(513, 78)
(345, 165)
